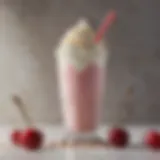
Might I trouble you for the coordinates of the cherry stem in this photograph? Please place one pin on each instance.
(22, 108)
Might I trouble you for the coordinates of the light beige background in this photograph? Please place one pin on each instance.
(30, 30)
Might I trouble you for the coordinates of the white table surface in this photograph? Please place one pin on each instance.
(9, 152)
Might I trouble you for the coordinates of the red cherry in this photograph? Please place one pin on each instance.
(118, 137)
(32, 139)
(152, 139)
(15, 137)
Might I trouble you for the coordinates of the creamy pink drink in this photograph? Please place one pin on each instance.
(81, 66)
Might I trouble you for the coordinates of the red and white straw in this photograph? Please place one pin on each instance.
(105, 25)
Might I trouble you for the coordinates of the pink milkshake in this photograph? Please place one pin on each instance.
(81, 66)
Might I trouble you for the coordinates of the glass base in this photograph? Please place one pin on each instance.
(82, 138)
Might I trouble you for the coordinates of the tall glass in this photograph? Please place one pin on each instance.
(81, 69)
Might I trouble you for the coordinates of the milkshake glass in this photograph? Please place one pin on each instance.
(81, 69)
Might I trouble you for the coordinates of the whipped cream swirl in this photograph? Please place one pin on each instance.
(78, 48)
